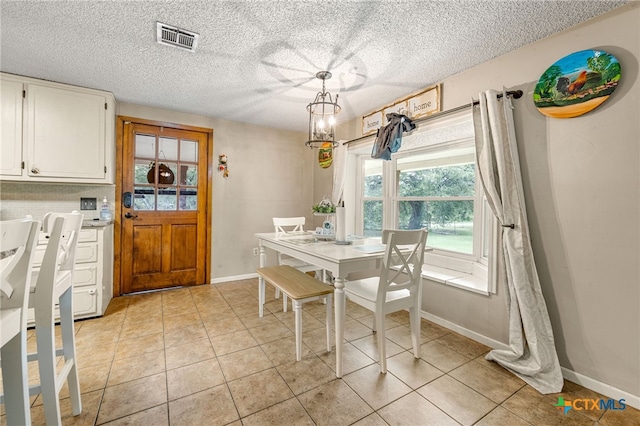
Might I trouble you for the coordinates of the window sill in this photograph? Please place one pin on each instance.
(462, 280)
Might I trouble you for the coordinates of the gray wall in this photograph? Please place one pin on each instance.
(582, 185)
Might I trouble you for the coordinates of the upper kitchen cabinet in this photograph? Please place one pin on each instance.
(56, 133)
(11, 133)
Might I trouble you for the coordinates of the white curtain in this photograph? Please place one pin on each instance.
(532, 355)
(339, 172)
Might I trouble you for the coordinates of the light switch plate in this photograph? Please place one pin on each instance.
(88, 204)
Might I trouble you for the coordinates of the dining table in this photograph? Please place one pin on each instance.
(359, 254)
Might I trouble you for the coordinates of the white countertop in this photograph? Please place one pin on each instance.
(94, 223)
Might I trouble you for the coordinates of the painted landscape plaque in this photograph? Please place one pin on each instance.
(577, 84)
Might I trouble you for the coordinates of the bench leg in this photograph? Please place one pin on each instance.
(297, 307)
(261, 296)
(328, 300)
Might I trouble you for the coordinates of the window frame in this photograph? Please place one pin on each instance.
(475, 272)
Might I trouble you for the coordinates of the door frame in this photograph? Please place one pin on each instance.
(121, 121)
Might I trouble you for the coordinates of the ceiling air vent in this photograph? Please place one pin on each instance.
(176, 37)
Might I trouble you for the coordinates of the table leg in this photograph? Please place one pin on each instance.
(339, 300)
(328, 301)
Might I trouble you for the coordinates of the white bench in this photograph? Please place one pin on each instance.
(300, 288)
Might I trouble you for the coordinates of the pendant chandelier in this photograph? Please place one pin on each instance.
(322, 117)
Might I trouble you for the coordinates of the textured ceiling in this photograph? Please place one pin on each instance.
(256, 60)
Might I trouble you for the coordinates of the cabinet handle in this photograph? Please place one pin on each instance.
(35, 170)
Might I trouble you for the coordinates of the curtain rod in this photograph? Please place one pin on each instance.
(516, 94)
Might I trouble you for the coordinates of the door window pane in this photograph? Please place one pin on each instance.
(142, 171)
(189, 199)
(144, 198)
(168, 149)
(188, 151)
(188, 175)
(167, 199)
(145, 146)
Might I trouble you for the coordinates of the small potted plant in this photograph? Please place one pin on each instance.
(325, 206)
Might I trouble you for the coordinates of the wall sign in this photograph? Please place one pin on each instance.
(398, 108)
(371, 123)
(422, 104)
(425, 103)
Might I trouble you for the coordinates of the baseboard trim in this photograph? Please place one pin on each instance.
(494, 344)
(593, 384)
(600, 387)
(233, 278)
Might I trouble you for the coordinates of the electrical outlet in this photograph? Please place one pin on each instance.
(255, 251)
(88, 204)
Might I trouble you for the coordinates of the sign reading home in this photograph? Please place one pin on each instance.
(371, 122)
(422, 104)
(425, 103)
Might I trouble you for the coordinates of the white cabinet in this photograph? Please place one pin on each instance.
(93, 274)
(53, 132)
(11, 133)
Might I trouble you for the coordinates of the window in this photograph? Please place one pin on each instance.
(436, 189)
(434, 186)
(174, 186)
(372, 197)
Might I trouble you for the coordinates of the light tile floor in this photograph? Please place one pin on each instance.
(201, 356)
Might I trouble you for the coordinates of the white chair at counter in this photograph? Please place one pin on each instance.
(18, 239)
(398, 287)
(284, 225)
(51, 286)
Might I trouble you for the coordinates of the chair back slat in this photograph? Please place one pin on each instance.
(63, 231)
(402, 263)
(68, 239)
(296, 224)
(18, 239)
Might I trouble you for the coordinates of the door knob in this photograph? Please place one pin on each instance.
(35, 170)
(130, 216)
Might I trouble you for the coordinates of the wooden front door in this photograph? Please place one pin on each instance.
(164, 206)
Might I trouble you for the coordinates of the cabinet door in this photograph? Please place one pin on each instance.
(85, 302)
(11, 133)
(65, 133)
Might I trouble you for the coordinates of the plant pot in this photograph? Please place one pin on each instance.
(165, 174)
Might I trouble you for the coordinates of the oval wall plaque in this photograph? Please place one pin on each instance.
(577, 84)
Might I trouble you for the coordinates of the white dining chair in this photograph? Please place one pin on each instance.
(18, 239)
(398, 286)
(52, 286)
(284, 225)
